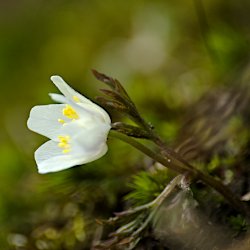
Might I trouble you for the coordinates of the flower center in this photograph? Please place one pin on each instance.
(64, 143)
(70, 113)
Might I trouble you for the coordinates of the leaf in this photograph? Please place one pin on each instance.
(112, 83)
(131, 130)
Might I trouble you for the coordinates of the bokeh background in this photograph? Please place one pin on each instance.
(167, 54)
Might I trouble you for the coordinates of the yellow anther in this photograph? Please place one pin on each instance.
(61, 121)
(63, 139)
(64, 143)
(76, 99)
(65, 151)
(70, 113)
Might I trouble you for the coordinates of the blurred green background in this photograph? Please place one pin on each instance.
(166, 53)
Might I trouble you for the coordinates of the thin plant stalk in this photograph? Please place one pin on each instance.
(179, 165)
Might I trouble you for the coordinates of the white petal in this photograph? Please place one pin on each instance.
(83, 109)
(58, 98)
(88, 155)
(84, 102)
(91, 137)
(49, 157)
(97, 110)
(44, 120)
(68, 92)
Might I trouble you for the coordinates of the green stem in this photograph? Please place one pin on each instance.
(170, 163)
(178, 165)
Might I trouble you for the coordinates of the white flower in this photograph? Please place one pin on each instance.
(77, 130)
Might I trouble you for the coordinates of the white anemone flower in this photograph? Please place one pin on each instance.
(77, 129)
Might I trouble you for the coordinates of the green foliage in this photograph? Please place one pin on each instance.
(146, 186)
(238, 223)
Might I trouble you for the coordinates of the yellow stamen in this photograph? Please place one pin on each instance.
(70, 113)
(64, 143)
(61, 121)
(65, 151)
(63, 138)
(76, 99)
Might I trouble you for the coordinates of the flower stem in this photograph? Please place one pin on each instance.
(171, 160)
